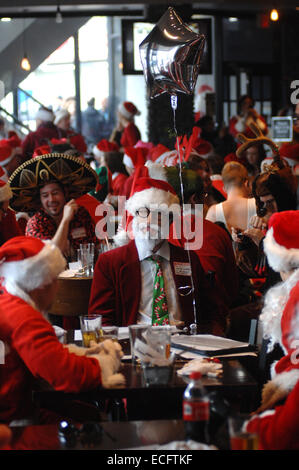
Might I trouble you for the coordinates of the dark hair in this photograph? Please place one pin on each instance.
(241, 100)
(216, 163)
(114, 161)
(192, 183)
(278, 187)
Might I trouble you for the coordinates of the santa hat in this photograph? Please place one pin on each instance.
(28, 263)
(5, 191)
(128, 110)
(134, 157)
(290, 151)
(202, 147)
(104, 146)
(7, 152)
(44, 114)
(42, 150)
(149, 191)
(60, 114)
(281, 244)
(157, 151)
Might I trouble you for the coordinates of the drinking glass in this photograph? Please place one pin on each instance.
(240, 439)
(90, 328)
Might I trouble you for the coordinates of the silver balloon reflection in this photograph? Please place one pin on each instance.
(170, 56)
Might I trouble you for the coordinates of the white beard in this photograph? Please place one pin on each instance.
(152, 237)
(274, 303)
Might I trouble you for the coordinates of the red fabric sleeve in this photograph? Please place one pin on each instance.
(278, 429)
(36, 343)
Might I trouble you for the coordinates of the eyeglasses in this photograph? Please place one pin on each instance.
(143, 212)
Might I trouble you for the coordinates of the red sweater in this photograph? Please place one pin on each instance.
(32, 351)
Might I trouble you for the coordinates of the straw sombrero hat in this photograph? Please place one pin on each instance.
(76, 176)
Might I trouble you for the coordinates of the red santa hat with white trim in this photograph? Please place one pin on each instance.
(5, 191)
(281, 244)
(135, 156)
(128, 110)
(28, 263)
(104, 146)
(150, 191)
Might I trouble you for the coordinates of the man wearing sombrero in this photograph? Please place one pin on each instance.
(46, 187)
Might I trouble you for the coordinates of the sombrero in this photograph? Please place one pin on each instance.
(74, 174)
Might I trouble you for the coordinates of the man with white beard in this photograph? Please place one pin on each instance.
(148, 280)
(280, 314)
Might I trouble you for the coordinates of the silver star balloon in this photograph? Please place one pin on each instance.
(171, 55)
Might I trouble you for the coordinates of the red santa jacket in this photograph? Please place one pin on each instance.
(116, 289)
(130, 135)
(118, 184)
(9, 227)
(287, 368)
(278, 429)
(216, 255)
(32, 350)
(43, 134)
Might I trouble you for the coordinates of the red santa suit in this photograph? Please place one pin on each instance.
(31, 348)
(280, 315)
(278, 429)
(118, 183)
(43, 134)
(9, 227)
(131, 134)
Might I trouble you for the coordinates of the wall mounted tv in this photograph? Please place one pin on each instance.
(134, 31)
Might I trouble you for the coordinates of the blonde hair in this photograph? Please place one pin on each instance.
(234, 174)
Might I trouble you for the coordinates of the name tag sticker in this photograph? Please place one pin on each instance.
(79, 232)
(182, 269)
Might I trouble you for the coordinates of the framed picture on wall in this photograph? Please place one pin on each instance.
(135, 31)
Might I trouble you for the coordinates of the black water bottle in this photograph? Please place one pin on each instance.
(196, 410)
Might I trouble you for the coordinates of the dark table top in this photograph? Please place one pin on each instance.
(120, 435)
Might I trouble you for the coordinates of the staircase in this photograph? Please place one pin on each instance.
(39, 37)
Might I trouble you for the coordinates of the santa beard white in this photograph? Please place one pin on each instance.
(151, 235)
(274, 304)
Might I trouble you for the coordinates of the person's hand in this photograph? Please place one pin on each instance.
(272, 393)
(109, 358)
(235, 233)
(257, 222)
(255, 234)
(70, 210)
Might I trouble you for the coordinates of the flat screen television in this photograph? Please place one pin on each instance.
(134, 31)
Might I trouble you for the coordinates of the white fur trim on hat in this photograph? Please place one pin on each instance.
(60, 114)
(279, 257)
(156, 171)
(127, 161)
(37, 271)
(151, 197)
(97, 152)
(124, 112)
(5, 193)
(44, 115)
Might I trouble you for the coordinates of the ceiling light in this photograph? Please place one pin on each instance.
(58, 18)
(232, 19)
(274, 16)
(25, 64)
(6, 19)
